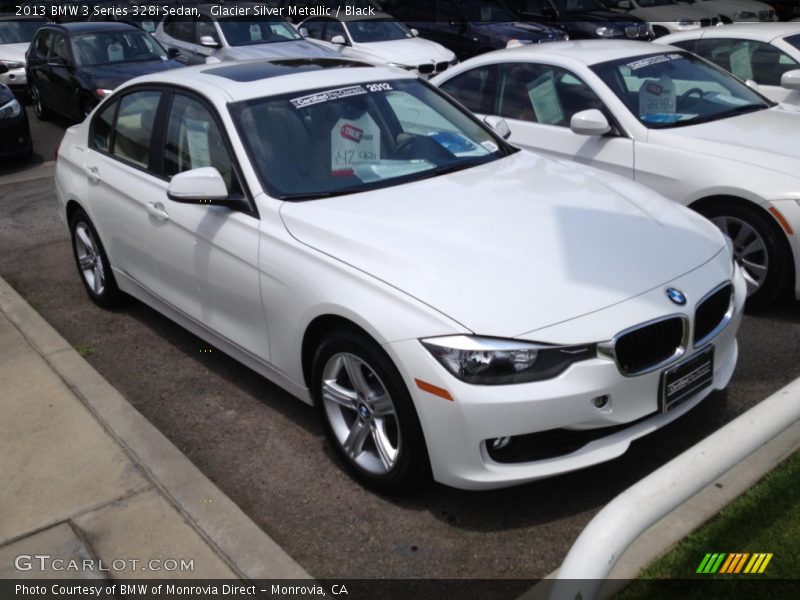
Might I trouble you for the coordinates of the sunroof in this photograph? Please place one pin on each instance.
(256, 70)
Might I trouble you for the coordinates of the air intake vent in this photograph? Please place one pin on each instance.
(646, 347)
(712, 314)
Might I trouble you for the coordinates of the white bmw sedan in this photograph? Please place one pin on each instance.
(449, 303)
(664, 118)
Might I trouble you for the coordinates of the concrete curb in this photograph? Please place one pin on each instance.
(250, 552)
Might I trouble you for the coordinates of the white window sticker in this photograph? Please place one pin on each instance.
(255, 33)
(657, 96)
(327, 96)
(115, 52)
(740, 62)
(652, 60)
(354, 142)
(197, 143)
(544, 99)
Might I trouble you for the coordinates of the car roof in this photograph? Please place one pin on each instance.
(91, 27)
(764, 32)
(233, 81)
(587, 52)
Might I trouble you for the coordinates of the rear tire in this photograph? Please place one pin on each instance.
(92, 262)
(367, 414)
(40, 110)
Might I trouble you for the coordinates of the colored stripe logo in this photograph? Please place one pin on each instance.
(734, 563)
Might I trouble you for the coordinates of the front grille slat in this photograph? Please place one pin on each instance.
(646, 347)
(711, 313)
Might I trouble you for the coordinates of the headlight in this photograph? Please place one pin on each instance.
(514, 42)
(745, 15)
(11, 65)
(607, 32)
(399, 66)
(687, 24)
(453, 62)
(494, 361)
(10, 109)
(103, 92)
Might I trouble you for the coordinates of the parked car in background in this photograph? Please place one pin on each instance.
(380, 39)
(786, 10)
(767, 53)
(143, 20)
(699, 135)
(472, 27)
(210, 38)
(667, 16)
(584, 19)
(15, 133)
(16, 34)
(72, 66)
(737, 11)
(298, 10)
(325, 222)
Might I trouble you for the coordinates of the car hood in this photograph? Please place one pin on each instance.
(15, 52)
(295, 49)
(677, 12)
(767, 139)
(534, 31)
(511, 246)
(111, 76)
(410, 51)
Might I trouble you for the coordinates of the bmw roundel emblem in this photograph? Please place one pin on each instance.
(675, 295)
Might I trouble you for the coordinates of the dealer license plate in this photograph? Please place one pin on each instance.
(687, 378)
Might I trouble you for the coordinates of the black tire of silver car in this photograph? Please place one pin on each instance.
(758, 246)
(40, 110)
(92, 262)
(367, 413)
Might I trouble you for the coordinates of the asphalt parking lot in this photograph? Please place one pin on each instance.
(266, 451)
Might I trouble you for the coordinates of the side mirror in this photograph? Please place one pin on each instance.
(303, 31)
(589, 122)
(56, 61)
(414, 32)
(338, 39)
(791, 80)
(198, 186)
(173, 52)
(499, 125)
(208, 41)
(624, 5)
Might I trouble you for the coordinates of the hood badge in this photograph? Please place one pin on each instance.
(676, 296)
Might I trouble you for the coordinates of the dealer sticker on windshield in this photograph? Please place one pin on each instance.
(327, 96)
(652, 60)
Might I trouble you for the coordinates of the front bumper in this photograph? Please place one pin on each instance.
(456, 432)
(16, 79)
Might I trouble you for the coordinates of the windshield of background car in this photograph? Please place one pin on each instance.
(364, 32)
(487, 11)
(110, 47)
(794, 40)
(18, 32)
(332, 141)
(246, 32)
(649, 3)
(674, 89)
(577, 5)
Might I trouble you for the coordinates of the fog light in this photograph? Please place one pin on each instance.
(501, 442)
(601, 401)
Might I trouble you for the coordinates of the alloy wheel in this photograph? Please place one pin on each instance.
(749, 250)
(90, 262)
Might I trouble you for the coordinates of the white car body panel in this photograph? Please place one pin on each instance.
(399, 269)
(14, 53)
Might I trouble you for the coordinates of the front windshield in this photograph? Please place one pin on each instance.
(246, 32)
(109, 47)
(364, 32)
(794, 40)
(567, 6)
(672, 89)
(18, 32)
(334, 141)
(487, 11)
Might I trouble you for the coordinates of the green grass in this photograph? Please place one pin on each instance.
(766, 518)
(84, 349)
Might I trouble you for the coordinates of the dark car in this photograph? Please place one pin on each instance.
(471, 27)
(584, 19)
(72, 66)
(15, 134)
(787, 10)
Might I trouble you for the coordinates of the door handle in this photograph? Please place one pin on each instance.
(156, 209)
(93, 174)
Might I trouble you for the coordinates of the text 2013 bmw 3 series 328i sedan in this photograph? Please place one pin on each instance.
(450, 304)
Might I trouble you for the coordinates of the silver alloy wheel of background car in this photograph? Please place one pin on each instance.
(89, 259)
(361, 413)
(36, 101)
(749, 250)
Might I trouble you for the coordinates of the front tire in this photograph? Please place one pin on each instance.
(367, 413)
(758, 247)
(92, 262)
(40, 110)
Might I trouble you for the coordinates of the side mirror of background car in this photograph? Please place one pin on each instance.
(499, 125)
(198, 186)
(791, 80)
(303, 31)
(589, 122)
(624, 5)
(208, 41)
(173, 52)
(57, 61)
(414, 32)
(338, 39)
